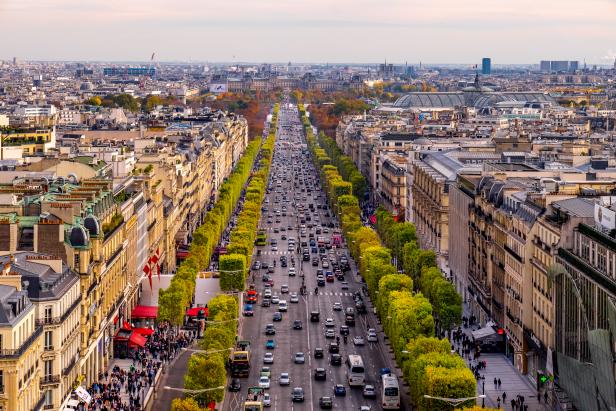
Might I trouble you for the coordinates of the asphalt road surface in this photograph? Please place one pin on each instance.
(292, 175)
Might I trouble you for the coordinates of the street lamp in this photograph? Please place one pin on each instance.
(193, 392)
(454, 402)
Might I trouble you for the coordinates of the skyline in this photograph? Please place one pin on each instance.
(360, 31)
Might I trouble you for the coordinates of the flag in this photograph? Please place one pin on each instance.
(154, 259)
(148, 271)
(158, 269)
(126, 325)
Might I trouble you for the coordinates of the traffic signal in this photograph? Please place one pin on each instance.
(542, 379)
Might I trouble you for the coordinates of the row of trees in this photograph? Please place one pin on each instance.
(345, 165)
(407, 315)
(207, 370)
(179, 295)
(128, 102)
(421, 266)
(234, 265)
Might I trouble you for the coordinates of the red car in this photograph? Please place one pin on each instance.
(329, 278)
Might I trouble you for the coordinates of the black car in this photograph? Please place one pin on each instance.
(270, 329)
(235, 385)
(335, 359)
(349, 320)
(314, 316)
(320, 374)
(344, 330)
(318, 352)
(297, 324)
(321, 282)
(326, 403)
(298, 394)
(283, 263)
(306, 257)
(334, 348)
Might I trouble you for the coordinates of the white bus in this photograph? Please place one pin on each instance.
(355, 370)
(391, 392)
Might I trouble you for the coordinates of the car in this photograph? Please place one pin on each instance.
(270, 329)
(372, 337)
(299, 358)
(284, 289)
(282, 305)
(266, 302)
(284, 379)
(268, 358)
(264, 382)
(298, 394)
(325, 264)
(369, 391)
(365, 408)
(358, 340)
(235, 385)
(337, 306)
(329, 278)
(339, 390)
(326, 403)
(270, 344)
(297, 324)
(314, 316)
(294, 298)
(349, 320)
(283, 263)
(265, 371)
(292, 272)
(320, 374)
(344, 330)
(329, 323)
(330, 333)
(274, 248)
(344, 285)
(248, 310)
(277, 316)
(267, 400)
(264, 265)
(335, 359)
(318, 352)
(321, 281)
(334, 348)
(256, 265)
(275, 299)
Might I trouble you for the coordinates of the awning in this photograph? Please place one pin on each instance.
(137, 339)
(485, 333)
(144, 311)
(193, 312)
(144, 331)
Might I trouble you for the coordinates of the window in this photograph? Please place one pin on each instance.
(48, 397)
(585, 251)
(48, 313)
(48, 368)
(49, 340)
(1, 381)
(601, 259)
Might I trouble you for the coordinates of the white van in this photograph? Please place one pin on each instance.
(282, 305)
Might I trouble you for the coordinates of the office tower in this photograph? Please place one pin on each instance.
(545, 66)
(574, 66)
(486, 66)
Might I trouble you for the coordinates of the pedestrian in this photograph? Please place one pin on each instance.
(504, 397)
(513, 404)
(545, 396)
(497, 402)
(539, 397)
(495, 383)
(499, 383)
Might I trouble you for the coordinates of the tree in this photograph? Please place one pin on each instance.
(206, 371)
(232, 272)
(152, 102)
(185, 404)
(94, 101)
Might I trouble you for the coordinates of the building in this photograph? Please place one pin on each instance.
(486, 66)
(129, 71)
(17, 143)
(54, 292)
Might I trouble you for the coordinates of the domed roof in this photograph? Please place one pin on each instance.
(78, 236)
(92, 224)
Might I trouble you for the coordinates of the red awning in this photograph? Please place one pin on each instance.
(193, 312)
(137, 339)
(144, 331)
(144, 311)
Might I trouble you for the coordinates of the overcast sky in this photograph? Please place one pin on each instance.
(431, 31)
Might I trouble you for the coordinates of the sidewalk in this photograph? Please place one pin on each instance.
(512, 382)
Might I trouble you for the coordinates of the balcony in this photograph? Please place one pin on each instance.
(69, 367)
(50, 379)
(15, 353)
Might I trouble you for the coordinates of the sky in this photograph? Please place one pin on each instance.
(320, 31)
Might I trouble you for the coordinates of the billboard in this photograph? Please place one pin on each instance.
(605, 217)
(218, 88)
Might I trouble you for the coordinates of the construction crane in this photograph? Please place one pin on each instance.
(144, 77)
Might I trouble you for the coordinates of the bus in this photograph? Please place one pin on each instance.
(240, 360)
(254, 399)
(391, 392)
(355, 370)
(261, 239)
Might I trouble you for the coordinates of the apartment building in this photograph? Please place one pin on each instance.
(19, 143)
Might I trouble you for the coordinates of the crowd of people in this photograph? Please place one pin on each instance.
(162, 346)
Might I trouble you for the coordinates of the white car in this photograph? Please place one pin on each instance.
(372, 337)
(267, 400)
(330, 323)
(337, 306)
(284, 289)
(275, 299)
(294, 298)
(358, 340)
(274, 248)
(330, 333)
(264, 382)
(268, 358)
(282, 305)
(300, 358)
(284, 379)
(292, 272)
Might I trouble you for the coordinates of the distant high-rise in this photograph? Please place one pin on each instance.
(486, 66)
(558, 66)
